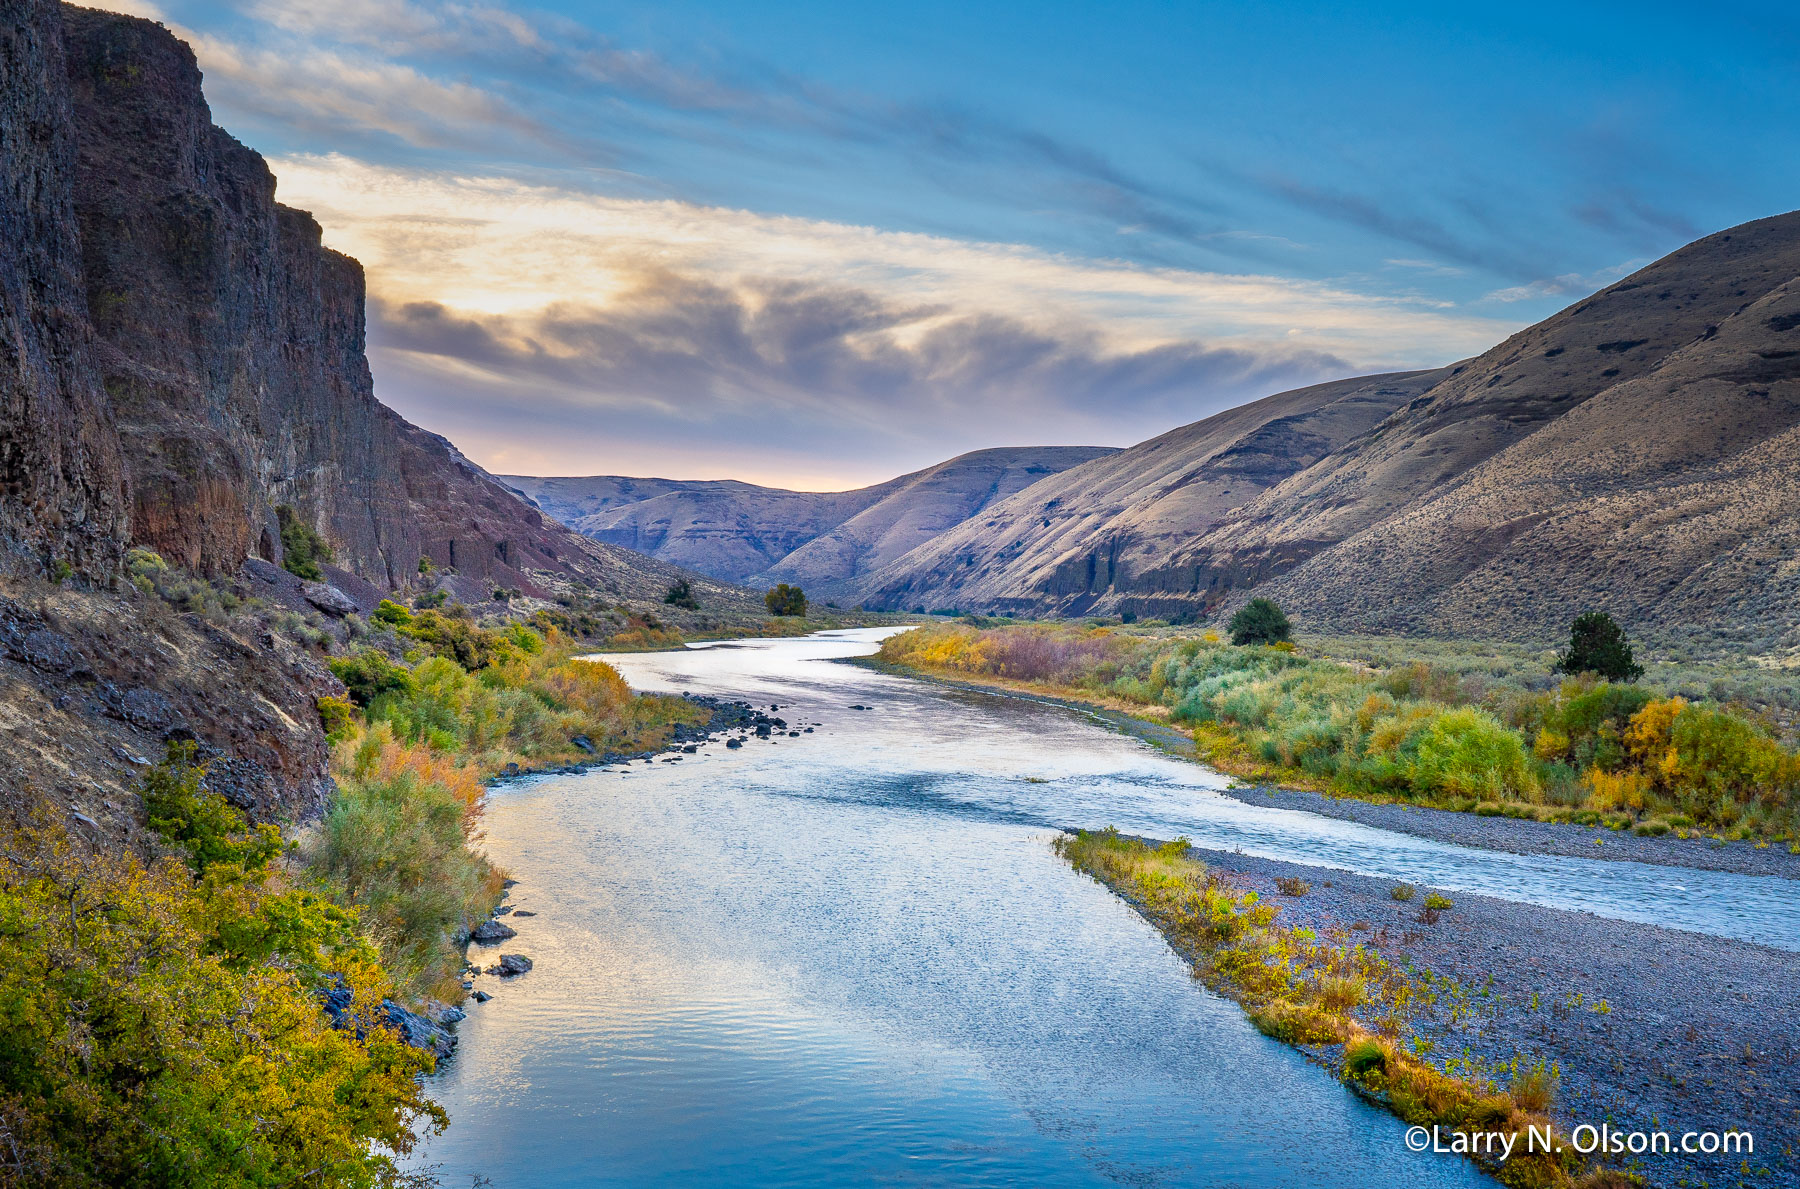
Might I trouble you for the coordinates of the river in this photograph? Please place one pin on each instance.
(851, 956)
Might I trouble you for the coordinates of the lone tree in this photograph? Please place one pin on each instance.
(1260, 621)
(783, 599)
(1597, 644)
(682, 595)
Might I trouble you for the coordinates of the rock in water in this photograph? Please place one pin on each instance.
(491, 933)
(510, 965)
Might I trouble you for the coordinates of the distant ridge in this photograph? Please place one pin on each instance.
(824, 540)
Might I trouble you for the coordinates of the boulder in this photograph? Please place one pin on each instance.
(328, 599)
(510, 965)
(491, 933)
(584, 743)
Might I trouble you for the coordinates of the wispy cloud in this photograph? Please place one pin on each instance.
(559, 328)
(1567, 285)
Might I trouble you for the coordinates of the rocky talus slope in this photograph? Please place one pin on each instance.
(823, 540)
(1636, 452)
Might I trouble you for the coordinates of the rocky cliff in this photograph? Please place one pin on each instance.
(61, 476)
(230, 344)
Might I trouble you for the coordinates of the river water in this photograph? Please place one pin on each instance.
(852, 957)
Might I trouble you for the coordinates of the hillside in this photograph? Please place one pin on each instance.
(742, 532)
(1057, 543)
(1635, 451)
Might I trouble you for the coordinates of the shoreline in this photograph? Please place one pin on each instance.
(1504, 834)
(1653, 1029)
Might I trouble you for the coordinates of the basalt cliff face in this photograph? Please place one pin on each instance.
(61, 475)
(230, 345)
(179, 356)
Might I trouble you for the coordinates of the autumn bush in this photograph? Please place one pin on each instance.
(160, 1020)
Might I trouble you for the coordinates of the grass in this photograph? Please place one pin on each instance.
(1344, 1002)
(1469, 732)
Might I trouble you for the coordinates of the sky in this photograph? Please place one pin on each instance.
(817, 245)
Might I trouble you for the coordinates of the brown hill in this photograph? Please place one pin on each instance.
(822, 540)
(1065, 541)
(1635, 452)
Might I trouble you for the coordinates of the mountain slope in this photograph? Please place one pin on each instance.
(739, 531)
(1636, 451)
(917, 509)
(1067, 540)
(720, 526)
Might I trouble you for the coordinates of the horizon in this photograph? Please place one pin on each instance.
(813, 250)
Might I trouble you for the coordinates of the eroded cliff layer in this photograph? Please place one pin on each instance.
(61, 482)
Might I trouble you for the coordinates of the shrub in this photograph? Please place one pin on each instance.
(1435, 901)
(302, 548)
(1259, 621)
(370, 674)
(1534, 1087)
(201, 822)
(164, 1029)
(1465, 751)
(681, 594)
(1597, 644)
(1402, 892)
(783, 599)
(1292, 886)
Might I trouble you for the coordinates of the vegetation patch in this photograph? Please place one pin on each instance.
(1409, 731)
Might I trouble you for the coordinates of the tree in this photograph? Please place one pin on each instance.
(783, 599)
(682, 595)
(1597, 644)
(1260, 621)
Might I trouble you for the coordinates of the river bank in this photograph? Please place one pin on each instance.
(1508, 834)
(1650, 1029)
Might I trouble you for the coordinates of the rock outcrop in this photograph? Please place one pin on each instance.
(61, 476)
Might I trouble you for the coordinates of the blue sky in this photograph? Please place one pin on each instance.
(819, 244)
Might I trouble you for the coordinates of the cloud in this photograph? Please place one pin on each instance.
(1567, 285)
(604, 326)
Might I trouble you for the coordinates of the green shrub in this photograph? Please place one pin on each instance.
(1363, 1058)
(1259, 621)
(1402, 892)
(1437, 902)
(783, 599)
(201, 822)
(681, 594)
(370, 674)
(302, 548)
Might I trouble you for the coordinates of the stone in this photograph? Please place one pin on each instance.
(491, 933)
(584, 743)
(511, 965)
(328, 599)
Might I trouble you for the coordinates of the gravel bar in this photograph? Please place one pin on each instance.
(1697, 1033)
